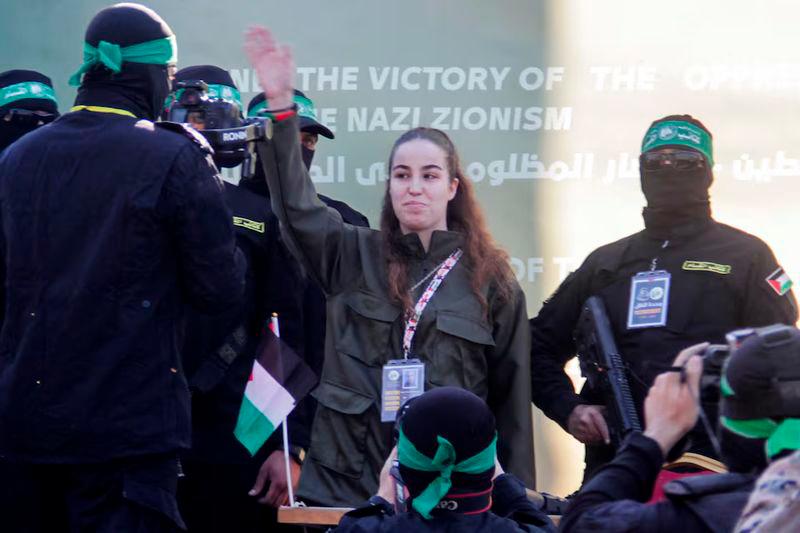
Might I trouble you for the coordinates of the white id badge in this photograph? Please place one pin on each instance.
(402, 379)
(649, 299)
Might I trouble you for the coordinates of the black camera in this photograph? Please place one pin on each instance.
(218, 119)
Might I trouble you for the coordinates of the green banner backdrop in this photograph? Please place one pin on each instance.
(546, 100)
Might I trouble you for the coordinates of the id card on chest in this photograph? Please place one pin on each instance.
(649, 299)
(402, 379)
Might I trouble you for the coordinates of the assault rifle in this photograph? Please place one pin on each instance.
(602, 365)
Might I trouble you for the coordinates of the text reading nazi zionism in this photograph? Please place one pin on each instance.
(441, 80)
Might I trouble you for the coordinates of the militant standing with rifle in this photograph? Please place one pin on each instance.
(684, 279)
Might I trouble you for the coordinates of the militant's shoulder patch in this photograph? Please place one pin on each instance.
(188, 132)
(779, 281)
(706, 266)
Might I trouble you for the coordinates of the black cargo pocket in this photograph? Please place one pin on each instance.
(461, 352)
(153, 485)
(340, 429)
(366, 328)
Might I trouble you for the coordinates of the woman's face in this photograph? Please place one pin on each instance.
(420, 186)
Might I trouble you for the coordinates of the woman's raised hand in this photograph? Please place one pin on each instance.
(274, 66)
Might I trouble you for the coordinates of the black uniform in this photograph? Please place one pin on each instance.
(614, 499)
(106, 238)
(718, 284)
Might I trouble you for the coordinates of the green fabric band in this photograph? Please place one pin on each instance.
(725, 387)
(220, 92)
(780, 436)
(679, 132)
(305, 108)
(444, 463)
(157, 52)
(756, 428)
(26, 90)
(786, 437)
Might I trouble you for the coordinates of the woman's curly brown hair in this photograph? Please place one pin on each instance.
(488, 262)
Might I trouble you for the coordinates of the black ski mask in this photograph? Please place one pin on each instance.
(676, 171)
(27, 101)
(140, 88)
(467, 423)
(308, 156)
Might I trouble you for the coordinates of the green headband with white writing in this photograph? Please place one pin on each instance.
(305, 108)
(444, 463)
(26, 90)
(162, 51)
(679, 132)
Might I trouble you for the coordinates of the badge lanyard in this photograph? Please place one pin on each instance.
(405, 378)
(422, 303)
(649, 297)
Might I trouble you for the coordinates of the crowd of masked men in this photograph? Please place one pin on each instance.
(685, 331)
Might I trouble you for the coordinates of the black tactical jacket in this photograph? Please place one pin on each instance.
(718, 284)
(614, 500)
(112, 226)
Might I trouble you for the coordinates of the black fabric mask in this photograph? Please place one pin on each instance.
(139, 88)
(740, 454)
(256, 183)
(463, 419)
(675, 197)
(11, 131)
(224, 160)
(308, 156)
(26, 114)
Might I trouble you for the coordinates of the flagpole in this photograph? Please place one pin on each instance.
(277, 331)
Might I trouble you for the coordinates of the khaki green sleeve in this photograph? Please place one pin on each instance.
(509, 398)
(325, 245)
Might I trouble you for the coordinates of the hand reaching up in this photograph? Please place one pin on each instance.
(274, 65)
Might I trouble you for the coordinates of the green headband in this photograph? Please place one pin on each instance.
(220, 92)
(157, 52)
(681, 133)
(305, 108)
(26, 90)
(444, 463)
(780, 436)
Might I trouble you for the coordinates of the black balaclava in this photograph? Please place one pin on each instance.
(676, 197)
(139, 88)
(462, 418)
(12, 130)
(760, 395)
(740, 454)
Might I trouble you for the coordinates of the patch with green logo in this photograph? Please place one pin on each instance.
(248, 224)
(706, 266)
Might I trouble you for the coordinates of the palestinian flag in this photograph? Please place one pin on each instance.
(779, 281)
(279, 380)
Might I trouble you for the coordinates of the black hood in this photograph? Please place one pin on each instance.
(11, 130)
(675, 197)
(139, 88)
